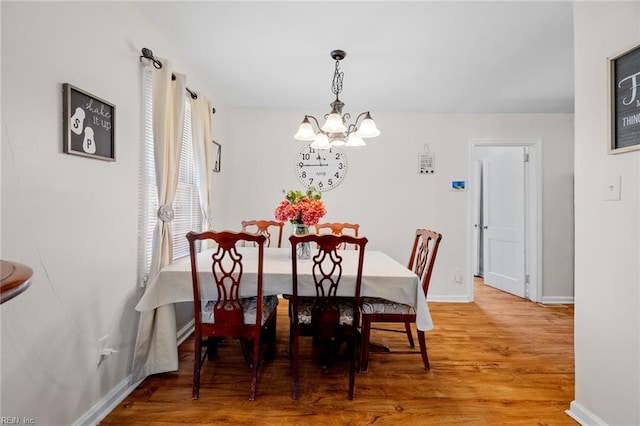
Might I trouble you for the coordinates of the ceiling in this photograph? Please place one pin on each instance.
(427, 56)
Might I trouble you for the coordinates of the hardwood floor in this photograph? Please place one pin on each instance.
(499, 360)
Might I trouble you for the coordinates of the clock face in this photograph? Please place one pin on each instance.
(322, 168)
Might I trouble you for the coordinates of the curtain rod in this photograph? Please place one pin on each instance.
(148, 54)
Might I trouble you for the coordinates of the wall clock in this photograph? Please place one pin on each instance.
(322, 168)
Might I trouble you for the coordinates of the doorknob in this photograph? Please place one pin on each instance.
(485, 227)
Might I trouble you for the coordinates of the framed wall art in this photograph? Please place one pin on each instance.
(217, 156)
(624, 102)
(88, 124)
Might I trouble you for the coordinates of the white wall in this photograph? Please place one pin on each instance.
(72, 219)
(385, 194)
(607, 249)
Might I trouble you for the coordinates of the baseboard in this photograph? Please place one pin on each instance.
(110, 401)
(449, 298)
(557, 300)
(582, 415)
(186, 331)
(550, 300)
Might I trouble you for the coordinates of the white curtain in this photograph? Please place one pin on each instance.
(202, 151)
(168, 121)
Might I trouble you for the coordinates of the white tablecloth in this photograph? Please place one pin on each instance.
(156, 349)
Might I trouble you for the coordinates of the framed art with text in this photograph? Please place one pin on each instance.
(217, 153)
(88, 124)
(624, 103)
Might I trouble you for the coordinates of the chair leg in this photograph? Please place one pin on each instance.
(212, 347)
(196, 368)
(290, 332)
(351, 348)
(407, 327)
(254, 367)
(364, 349)
(295, 365)
(270, 336)
(423, 349)
(290, 343)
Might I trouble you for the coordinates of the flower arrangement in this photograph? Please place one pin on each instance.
(305, 208)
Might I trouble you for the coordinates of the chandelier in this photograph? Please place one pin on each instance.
(335, 131)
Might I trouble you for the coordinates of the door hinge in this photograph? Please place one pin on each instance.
(526, 155)
(526, 286)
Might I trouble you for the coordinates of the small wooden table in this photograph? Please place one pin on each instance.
(15, 279)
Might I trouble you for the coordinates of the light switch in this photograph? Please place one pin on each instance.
(611, 189)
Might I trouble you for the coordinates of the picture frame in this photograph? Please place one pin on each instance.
(217, 156)
(88, 124)
(624, 101)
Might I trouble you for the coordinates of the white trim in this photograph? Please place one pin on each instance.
(186, 331)
(110, 401)
(558, 300)
(450, 298)
(533, 211)
(582, 415)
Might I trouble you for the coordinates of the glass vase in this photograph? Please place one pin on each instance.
(303, 250)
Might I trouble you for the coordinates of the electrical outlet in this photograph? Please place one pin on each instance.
(457, 275)
(102, 344)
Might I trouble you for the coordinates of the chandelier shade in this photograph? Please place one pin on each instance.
(355, 140)
(334, 124)
(305, 131)
(335, 131)
(321, 142)
(368, 128)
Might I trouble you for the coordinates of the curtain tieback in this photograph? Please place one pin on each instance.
(165, 213)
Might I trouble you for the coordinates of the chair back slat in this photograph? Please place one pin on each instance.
(423, 255)
(327, 272)
(226, 267)
(338, 228)
(266, 228)
(327, 262)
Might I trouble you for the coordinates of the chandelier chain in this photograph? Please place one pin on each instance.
(336, 85)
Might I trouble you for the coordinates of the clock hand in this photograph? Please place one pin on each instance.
(319, 158)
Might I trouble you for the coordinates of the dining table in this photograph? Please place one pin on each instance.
(156, 349)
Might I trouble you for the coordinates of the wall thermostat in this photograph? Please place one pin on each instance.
(458, 185)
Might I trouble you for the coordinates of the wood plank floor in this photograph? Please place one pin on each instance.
(499, 360)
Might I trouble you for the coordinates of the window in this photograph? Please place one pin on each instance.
(186, 206)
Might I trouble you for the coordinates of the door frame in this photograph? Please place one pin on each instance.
(533, 210)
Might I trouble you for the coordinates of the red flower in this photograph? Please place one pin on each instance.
(302, 208)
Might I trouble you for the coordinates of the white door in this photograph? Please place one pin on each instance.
(503, 190)
(476, 239)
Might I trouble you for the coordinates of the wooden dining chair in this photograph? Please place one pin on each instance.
(338, 228)
(423, 257)
(325, 315)
(250, 319)
(264, 227)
